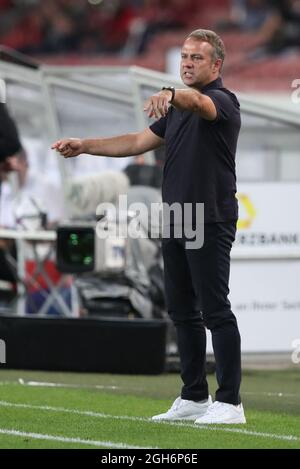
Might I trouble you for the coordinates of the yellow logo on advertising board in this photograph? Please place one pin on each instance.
(249, 209)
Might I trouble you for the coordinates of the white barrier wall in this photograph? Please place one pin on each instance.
(265, 269)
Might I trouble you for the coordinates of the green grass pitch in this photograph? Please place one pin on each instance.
(77, 410)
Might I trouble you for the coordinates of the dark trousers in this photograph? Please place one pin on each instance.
(196, 284)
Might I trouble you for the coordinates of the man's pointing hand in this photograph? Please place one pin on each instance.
(69, 147)
(158, 104)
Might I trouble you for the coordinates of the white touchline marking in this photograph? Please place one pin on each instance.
(22, 382)
(89, 413)
(273, 394)
(100, 386)
(245, 432)
(42, 436)
(64, 385)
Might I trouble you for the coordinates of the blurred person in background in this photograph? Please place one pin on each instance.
(31, 199)
(9, 147)
(29, 204)
(23, 29)
(35, 204)
(281, 30)
(30, 184)
(68, 26)
(108, 26)
(45, 27)
(60, 32)
(245, 15)
(279, 34)
(9, 142)
(159, 16)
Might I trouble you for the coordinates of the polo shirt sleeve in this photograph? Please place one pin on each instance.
(224, 104)
(159, 127)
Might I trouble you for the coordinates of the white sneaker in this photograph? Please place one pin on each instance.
(183, 409)
(221, 412)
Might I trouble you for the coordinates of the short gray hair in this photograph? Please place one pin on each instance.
(213, 39)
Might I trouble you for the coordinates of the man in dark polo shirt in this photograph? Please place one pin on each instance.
(200, 130)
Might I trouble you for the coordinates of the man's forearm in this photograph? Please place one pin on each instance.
(187, 99)
(121, 146)
(193, 100)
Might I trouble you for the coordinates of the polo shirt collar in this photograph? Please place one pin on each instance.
(218, 83)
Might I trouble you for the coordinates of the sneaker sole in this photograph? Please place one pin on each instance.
(227, 422)
(191, 417)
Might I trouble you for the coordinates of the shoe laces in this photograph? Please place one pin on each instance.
(176, 404)
(214, 407)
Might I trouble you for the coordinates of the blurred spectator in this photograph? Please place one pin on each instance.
(68, 26)
(279, 32)
(128, 26)
(246, 15)
(25, 33)
(31, 205)
(59, 28)
(32, 208)
(159, 15)
(65, 25)
(9, 146)
(282, 29)
(110, 24)
(9, 139)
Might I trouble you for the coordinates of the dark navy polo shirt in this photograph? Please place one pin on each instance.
(200, 155)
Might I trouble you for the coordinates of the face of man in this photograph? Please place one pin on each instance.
(197, 68)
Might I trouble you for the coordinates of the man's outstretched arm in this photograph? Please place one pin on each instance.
(184, 99)
(120, 146)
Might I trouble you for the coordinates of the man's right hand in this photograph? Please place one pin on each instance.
(69, 147)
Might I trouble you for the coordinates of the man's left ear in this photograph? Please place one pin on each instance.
(217, 65)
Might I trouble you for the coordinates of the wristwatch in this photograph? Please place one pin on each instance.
(172, 89)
